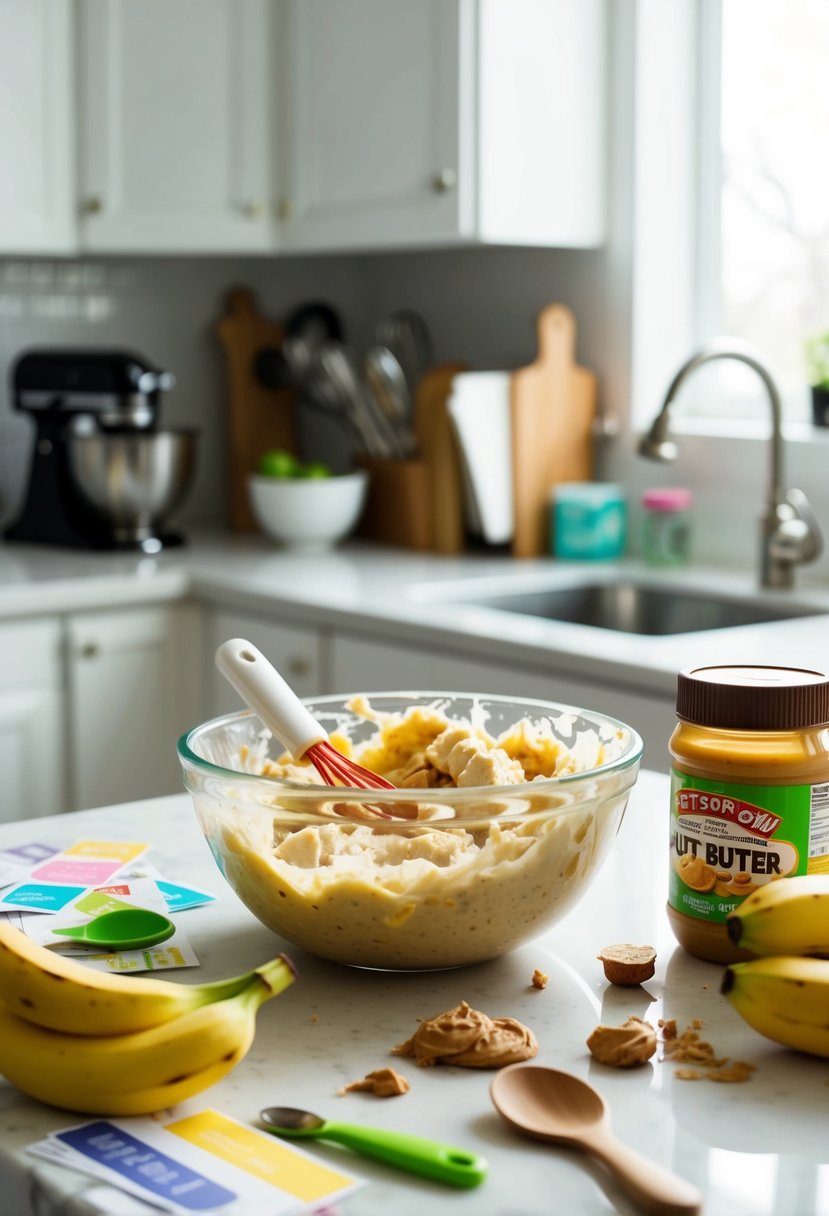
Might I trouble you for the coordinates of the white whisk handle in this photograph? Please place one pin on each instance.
(263, 689)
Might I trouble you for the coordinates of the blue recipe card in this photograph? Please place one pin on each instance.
(40, 897)
(147, 1167)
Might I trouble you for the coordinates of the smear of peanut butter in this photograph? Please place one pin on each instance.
(623, 1046)
(469, 1038)
(382, 1082)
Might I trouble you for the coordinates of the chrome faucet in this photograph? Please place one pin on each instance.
(789, 532)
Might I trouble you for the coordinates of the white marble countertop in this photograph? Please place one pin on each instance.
(754, 1149)
(394, 594)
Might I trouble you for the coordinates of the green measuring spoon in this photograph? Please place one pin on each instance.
(124, 929)
(425, 1157)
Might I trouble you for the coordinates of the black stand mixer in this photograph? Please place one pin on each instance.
(103, 475)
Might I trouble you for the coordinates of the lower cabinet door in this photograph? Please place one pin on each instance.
(296, 653)
(31, 752)
(361, 665)
(133, 683)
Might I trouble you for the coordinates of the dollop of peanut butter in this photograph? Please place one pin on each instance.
(382, 1082)
(469, 1038)
(625, 1046)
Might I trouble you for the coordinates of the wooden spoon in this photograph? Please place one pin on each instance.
(561, 1108)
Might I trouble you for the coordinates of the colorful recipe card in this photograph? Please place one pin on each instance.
(16, 863)
(54, 881)
(203, 1163)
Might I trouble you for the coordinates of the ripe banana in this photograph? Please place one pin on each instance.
(785, 998)
(62, 994)
(786, 917)
(142, 1072)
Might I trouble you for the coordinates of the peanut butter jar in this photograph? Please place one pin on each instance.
(749, 793)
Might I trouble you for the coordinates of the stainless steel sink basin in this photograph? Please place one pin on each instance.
(630, 607)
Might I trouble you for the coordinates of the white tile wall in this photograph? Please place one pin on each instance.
(479, 303)
(166, 310)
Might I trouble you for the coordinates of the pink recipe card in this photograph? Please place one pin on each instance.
(88, 863)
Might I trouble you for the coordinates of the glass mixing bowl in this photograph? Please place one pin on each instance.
(455, 875)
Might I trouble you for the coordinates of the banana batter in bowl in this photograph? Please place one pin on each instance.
(503, 812)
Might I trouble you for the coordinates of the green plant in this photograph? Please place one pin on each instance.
(817, 358)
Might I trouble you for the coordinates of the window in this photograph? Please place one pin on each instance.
(763, 231)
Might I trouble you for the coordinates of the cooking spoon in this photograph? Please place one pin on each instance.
(124, 929)
(561, 1108)
(425, 1157)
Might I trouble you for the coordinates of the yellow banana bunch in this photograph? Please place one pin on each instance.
(786, 917)
(107, 1045)
(62, 994)
(785, 998)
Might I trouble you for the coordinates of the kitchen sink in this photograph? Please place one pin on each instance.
(631, 607)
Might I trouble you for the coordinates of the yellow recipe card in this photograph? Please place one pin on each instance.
(262, 1155)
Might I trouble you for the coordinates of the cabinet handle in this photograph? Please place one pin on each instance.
(92, 205)
(299, 666)
(253, 209)
(444, 181)
(89, 650)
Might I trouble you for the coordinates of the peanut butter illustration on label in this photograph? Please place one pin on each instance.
(724, 847)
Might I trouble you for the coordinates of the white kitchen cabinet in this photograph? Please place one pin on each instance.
(134, 686)
(176, 125)
(362, 665)
(37, 163)
(221, 126)
(32, 737)
(442, 121)
(295, 651)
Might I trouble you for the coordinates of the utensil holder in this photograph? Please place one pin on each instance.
(397, 510)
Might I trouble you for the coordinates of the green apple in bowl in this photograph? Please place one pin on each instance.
(277, 463)
(314, 469)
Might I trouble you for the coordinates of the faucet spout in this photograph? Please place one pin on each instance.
(790, 534)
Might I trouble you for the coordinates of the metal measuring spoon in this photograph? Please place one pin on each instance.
(425, 1157)
(563, 1109)
(124, 929)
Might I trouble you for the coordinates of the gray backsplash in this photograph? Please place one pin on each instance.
(480, 305)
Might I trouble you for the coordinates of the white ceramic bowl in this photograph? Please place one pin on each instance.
(307, 513)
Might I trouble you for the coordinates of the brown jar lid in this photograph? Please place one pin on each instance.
(753, 697)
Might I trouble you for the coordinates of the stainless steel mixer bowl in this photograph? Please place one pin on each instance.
(134, 478)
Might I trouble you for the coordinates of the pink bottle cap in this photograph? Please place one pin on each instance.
(664, 499)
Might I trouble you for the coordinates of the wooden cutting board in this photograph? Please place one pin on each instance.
(553, 404)
(259, 418)
(438, 447)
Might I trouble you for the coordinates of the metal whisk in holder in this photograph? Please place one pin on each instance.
(103, 475)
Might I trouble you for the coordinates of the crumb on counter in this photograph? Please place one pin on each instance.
(540, 979)
(690, 1048)
(382, 1082)
(628, 965)
(315, 1017)
(625, 1046)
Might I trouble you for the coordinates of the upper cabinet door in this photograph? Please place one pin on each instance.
(378, 91)
(37, 193)
(176, 120)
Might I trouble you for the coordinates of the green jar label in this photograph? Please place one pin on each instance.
(728, 839)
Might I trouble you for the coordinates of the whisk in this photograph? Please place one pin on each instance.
(262, 688)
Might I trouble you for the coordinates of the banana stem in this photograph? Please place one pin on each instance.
(276, 975)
